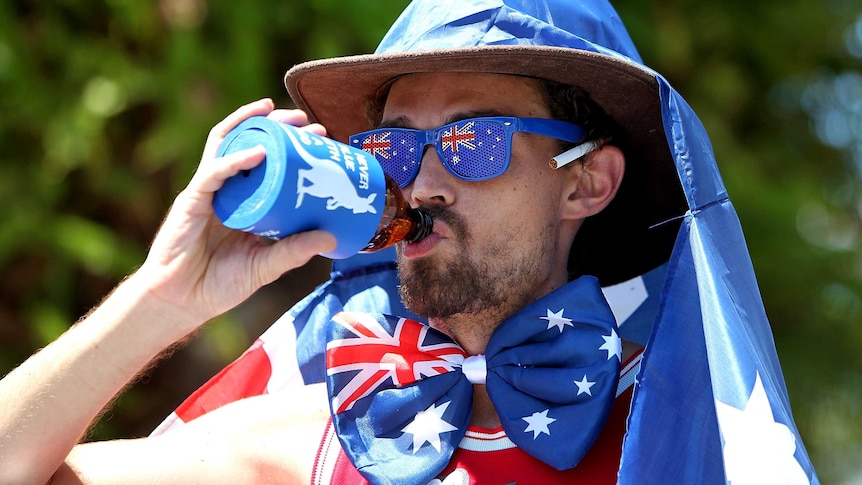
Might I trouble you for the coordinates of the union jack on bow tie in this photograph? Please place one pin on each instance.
(401, 392)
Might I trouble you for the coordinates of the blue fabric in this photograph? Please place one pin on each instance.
(710, 404)
(587, 25)
(552, 374)
(711, 344)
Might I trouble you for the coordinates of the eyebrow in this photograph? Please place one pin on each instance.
(404, 121)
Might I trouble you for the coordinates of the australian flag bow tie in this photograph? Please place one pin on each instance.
(401, 392)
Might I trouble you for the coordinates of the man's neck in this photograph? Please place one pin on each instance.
(472, 332)
(484, 414)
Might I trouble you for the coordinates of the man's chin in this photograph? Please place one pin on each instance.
(434, 288)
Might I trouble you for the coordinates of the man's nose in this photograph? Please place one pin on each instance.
(433, 184)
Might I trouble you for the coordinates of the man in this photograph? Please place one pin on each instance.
(533, 237)
(503, 243)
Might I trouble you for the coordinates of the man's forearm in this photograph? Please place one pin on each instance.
(48, 403)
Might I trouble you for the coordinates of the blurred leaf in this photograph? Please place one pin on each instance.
(89, 244)
(48, 323)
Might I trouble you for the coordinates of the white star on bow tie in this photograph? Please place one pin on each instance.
(613, 345)
(584, 386)
(538, 423)
(428, 425)
(557, 319)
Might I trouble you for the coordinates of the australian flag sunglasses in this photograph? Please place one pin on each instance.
(472, 149)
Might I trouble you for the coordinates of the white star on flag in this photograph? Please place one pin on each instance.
(557, 319)
(584, 386)
(427, 426)
(757, 449)
(613, 345)
(538, 423)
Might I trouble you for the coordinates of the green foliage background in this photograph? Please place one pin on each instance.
(104, 107)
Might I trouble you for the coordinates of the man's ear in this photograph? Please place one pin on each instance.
(594, 183)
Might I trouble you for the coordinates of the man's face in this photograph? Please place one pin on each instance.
(496, 244)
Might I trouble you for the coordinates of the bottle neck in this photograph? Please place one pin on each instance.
(422, 228)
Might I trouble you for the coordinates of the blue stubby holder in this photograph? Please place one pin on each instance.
(306, 182)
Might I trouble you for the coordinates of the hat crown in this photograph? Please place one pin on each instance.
(591, 25)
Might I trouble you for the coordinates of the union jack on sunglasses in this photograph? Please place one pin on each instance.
(472, 149)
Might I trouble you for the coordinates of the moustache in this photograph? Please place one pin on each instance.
(454, 220)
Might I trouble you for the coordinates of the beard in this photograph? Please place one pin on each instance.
(466, 284)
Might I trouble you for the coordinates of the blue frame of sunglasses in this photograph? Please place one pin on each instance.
(471, 149)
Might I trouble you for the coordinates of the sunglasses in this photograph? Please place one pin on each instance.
(472, 149)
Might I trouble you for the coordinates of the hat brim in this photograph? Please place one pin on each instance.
(627, 239)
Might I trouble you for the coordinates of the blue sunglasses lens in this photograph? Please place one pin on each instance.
(474, 149)
(397, 151)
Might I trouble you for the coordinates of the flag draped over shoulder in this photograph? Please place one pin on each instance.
(709, 403)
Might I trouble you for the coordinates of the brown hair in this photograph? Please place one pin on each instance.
(574, 104)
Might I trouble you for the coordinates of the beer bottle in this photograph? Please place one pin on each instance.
(400, 222)
(312, 182)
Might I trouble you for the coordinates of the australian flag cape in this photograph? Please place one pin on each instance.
(710, 405)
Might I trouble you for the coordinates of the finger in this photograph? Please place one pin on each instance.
(315, 128)
(294, 251)
(211, 176)
(218, 132)
(297, 117)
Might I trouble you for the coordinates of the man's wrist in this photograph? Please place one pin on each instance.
(137, 303)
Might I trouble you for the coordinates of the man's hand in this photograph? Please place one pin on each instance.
(204, 268)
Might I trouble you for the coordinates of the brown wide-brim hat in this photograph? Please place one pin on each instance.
(632, 235)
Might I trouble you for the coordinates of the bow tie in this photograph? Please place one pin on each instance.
(401, 392)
